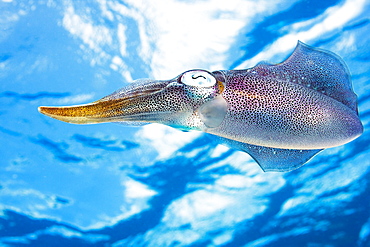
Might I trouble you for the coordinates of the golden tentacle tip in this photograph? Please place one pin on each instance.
(73, 114)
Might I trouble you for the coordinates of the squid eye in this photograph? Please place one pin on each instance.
(198, 78)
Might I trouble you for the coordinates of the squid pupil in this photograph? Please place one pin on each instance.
(196, 77)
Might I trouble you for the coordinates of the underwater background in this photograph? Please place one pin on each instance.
(152, 185)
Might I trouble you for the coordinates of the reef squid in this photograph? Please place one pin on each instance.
(281, 115)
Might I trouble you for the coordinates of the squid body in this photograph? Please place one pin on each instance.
(282, 115)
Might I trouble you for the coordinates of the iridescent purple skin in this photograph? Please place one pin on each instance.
(281, 115)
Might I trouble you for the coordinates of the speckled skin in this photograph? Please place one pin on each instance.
(280, 114)
(306, 102)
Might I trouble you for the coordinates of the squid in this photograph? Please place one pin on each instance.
(281, 115)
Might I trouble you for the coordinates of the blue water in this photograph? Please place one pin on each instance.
(116, 185)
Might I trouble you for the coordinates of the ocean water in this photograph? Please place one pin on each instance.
(152, 185)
